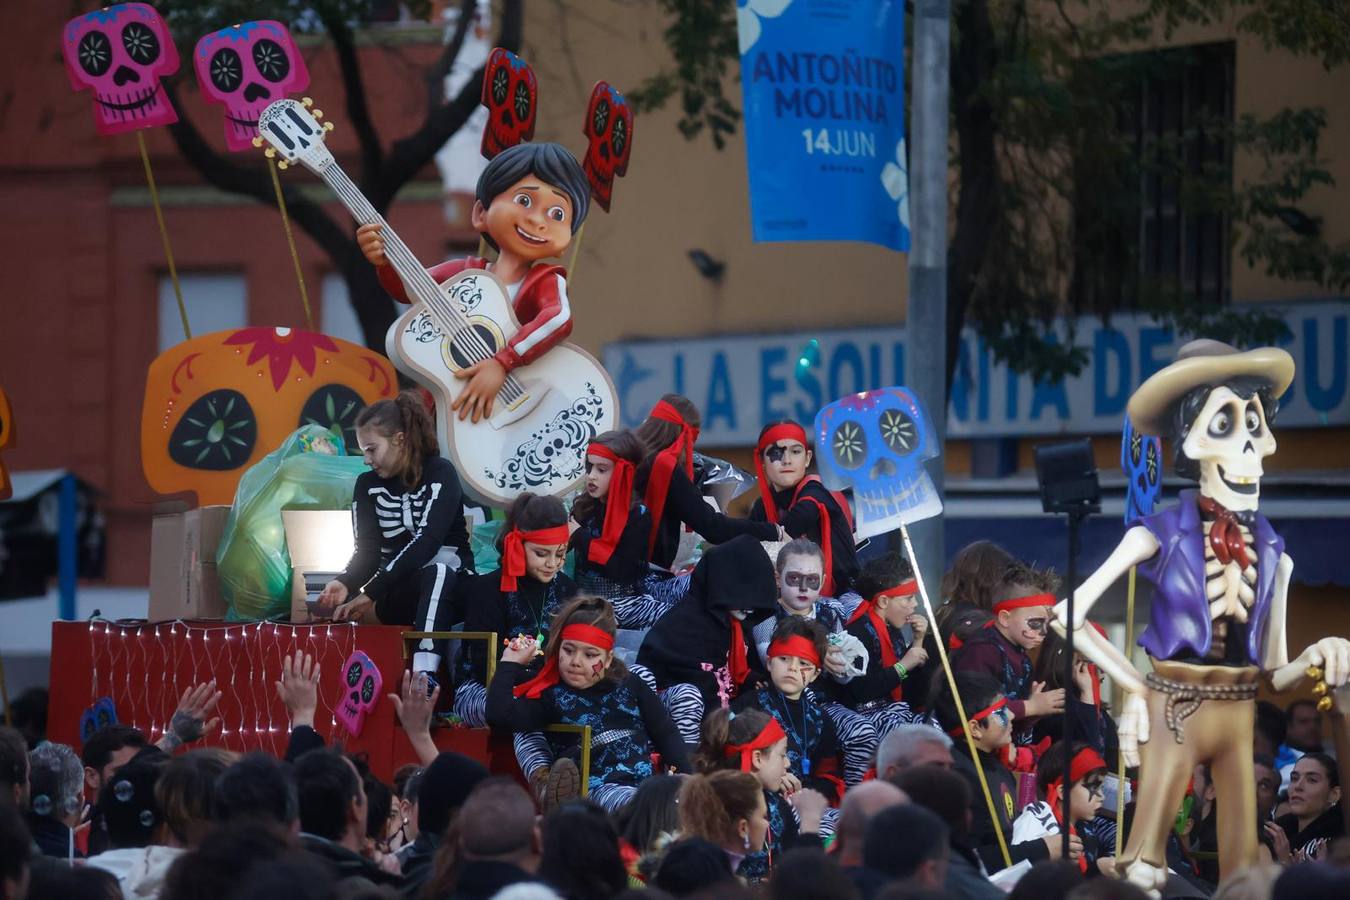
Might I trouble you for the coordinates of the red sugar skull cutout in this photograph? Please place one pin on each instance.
(511, 96)
(609, 128)
(120, 54)
(361, 683)
(246, 67)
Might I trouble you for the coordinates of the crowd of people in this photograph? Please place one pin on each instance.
(763, 722)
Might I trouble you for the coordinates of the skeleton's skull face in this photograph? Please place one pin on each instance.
(245, 67)
(1229, 438)
(119, 54)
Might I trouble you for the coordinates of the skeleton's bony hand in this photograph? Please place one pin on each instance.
(1332, 656)
(1133, 728)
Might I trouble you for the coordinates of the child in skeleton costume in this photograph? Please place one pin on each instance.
(530, 200)
(610, 541)
(788, 496)
(892, 597)
(409, 517)
(520, 598)
(1218, 617)
(801, 574)
(583, 683)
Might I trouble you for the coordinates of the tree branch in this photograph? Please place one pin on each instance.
(358, 109)
(411, 153)
(436, 75)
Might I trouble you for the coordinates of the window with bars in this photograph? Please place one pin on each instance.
(1144, 228)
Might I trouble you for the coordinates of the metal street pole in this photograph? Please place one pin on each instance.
(926, 325)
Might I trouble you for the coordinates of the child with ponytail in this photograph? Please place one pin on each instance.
(519, 598)
(801, 504)
(891, 593)
(611, 539)
(753, 742)
(409, 514)
(583, 683)
(665, 480)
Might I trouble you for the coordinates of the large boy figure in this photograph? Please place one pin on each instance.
(530, 200)
(1218, 617)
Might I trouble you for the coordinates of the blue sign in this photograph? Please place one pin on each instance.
(823, 85)
(742, 382)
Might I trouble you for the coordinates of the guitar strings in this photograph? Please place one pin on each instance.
(463, 335)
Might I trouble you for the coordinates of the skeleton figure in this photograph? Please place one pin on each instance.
(1218, 615)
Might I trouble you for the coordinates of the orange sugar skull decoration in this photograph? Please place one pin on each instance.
(216, 404)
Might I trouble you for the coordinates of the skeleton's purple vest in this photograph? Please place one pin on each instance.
(1179, 623)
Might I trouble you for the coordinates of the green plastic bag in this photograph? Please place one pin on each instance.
(308, 471)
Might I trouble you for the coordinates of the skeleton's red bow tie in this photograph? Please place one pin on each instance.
(1225, 533)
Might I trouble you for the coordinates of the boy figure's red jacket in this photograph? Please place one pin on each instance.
(540, 302)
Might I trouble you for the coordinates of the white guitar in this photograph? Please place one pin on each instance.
(546, 413)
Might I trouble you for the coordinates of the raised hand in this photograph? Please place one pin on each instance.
(299, 688)
(1043, 702)
(190, 722)
(414, 706)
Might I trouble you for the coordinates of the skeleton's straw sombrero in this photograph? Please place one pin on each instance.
(1199, 363)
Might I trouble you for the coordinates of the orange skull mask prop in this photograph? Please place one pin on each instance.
(216, 404)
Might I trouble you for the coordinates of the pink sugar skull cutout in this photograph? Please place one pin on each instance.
(361, 683)
(119, 54)
(246, 67)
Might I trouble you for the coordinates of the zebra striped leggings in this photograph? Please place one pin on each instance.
(857, 741)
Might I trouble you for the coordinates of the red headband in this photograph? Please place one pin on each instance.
(513, 550)
(548, 676)
(769, 735)
(786, 431)
(588, 634)
(616, 504)
(798, 646)
(869, 609)
(1085, 761)
(664, 463)
(987, 711)
(1025, 602)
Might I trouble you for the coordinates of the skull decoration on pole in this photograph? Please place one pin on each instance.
(1218, 619)
(119, 54)
(244, 68)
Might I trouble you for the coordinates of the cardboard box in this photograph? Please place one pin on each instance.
(183, 582)
(320, 541)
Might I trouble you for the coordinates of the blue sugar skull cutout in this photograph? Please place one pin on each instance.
(97, 717)
(1141, 460)
(876, 442)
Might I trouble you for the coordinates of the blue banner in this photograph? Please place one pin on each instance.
(823, 84)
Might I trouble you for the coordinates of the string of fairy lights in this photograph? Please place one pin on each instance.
(145, 668)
